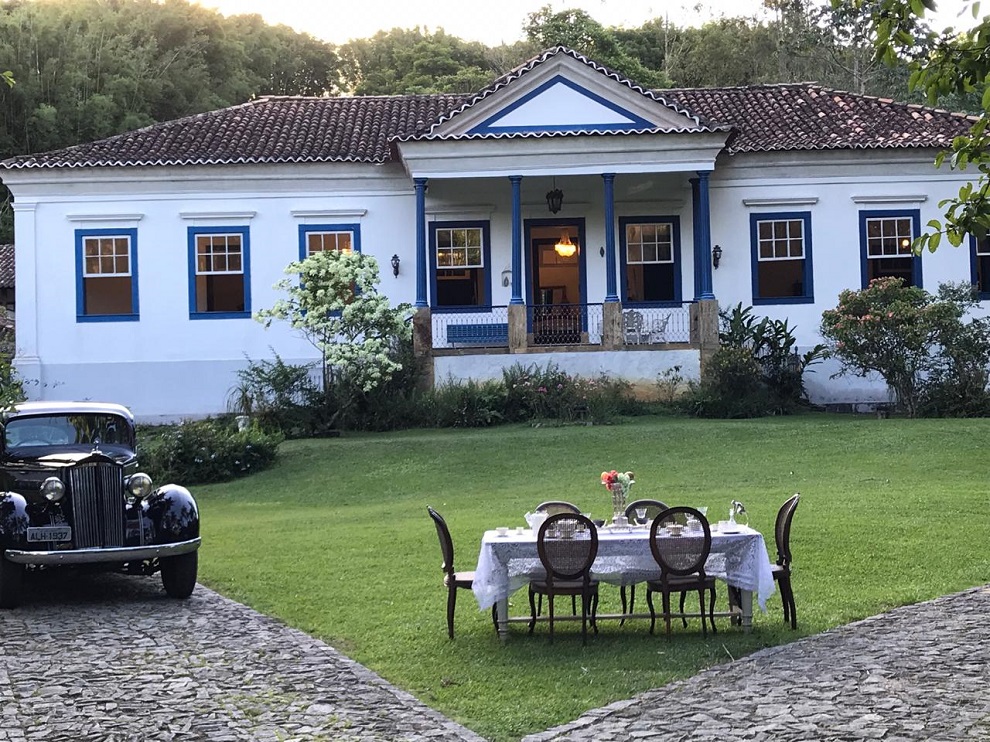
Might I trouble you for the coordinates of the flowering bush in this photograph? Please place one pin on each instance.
(332, 299)
(917, 342)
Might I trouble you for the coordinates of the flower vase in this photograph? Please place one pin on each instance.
(618, 504)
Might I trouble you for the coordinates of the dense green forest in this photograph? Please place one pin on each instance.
(87, 69)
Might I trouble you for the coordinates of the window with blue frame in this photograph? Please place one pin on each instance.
(650, 250)
(885, 244)
(314, 238)
(460, 257)
(981, 265)
(781, 258)
(219, 260)
(106, 275)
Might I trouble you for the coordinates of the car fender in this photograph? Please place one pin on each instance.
(173, 514)
(14, 521)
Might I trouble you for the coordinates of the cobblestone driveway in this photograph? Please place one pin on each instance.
(108, 658)
(112, 659)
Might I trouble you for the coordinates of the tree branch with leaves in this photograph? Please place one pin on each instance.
(944, 63)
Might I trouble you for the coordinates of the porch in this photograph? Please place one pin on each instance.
(636, 345)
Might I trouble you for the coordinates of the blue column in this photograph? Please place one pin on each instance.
(517, 250)
(703, 228)
(420, 185)
(611, 294)
(694, 239)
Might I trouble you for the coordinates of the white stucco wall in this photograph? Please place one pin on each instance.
(641, 368)
(167, 365)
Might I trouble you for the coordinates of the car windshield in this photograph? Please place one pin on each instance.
(82, 431)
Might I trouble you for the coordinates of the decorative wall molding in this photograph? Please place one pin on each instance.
(103, 218)
(793, 201)
(898, 199)
(328, 213)
(220, 215)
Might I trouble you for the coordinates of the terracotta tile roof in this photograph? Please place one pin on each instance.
(267, 130)
(803, 116)
(799, 116)
(6, 266)
(700, 124)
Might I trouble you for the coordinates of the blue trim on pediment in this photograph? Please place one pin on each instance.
(490, 125)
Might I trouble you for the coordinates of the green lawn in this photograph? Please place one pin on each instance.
(336, 541)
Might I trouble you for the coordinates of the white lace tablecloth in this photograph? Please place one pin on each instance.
(507, 563)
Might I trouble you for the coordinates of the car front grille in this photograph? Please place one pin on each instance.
(97, 492)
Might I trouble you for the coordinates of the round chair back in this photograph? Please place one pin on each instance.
(567, 544)
(680, 552)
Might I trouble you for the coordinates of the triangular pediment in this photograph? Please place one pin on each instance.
(564, 92)
(562, 105)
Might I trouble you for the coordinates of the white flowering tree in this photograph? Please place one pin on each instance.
(332, 298)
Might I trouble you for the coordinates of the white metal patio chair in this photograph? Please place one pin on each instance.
(632, 324)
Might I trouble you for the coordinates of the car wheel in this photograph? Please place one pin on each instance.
(11, 579)
(179, 574)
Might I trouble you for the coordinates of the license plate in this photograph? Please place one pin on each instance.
(50, 533)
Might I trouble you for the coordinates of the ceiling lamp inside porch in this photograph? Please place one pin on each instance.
(564, 247)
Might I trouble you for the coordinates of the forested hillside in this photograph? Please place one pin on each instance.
(87, 69)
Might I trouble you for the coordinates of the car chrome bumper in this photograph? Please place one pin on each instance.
(96, 556)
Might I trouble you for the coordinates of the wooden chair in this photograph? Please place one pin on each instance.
(782, 569)
(682, 565)
(567, 544)
(653, 509)
(451, 579)
(552, 507)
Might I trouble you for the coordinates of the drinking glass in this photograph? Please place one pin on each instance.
(641, 516)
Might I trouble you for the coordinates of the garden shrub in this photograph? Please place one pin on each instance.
(732, 386)
(534, 393)
(11, 385)
(956, 381)
(278, 397)
(468, 405)
(933, 361)
(606, 399)
(332, 298)
(205, 451)
(756, 370)
(394, 403)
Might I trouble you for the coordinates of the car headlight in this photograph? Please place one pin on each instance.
(139, 484)
(53, 489)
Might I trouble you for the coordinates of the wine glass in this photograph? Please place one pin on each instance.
(641, 516)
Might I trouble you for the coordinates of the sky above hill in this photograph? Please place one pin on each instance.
(496, 21)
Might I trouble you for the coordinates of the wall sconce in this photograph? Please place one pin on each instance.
(601, 251)
(716, 255)
(506, 276)
(395, 265)
(555, 198)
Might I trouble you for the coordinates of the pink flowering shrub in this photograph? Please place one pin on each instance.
(917, 342)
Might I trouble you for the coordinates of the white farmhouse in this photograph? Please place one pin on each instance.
(564, 213)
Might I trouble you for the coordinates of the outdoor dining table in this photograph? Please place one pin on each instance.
(508, 562)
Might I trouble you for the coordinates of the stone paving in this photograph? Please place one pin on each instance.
(919, 672)
(110, 659)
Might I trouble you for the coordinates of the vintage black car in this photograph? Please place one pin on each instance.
(71, 494)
